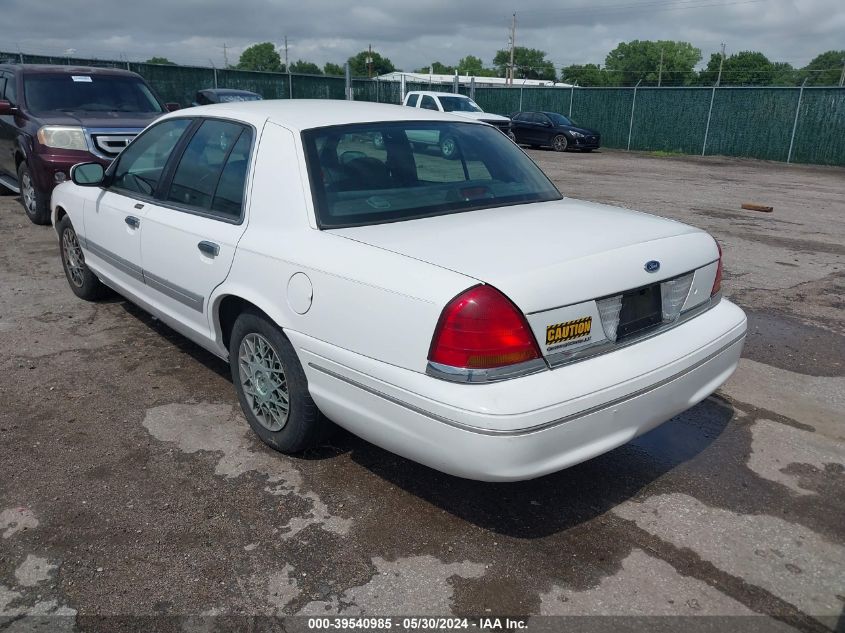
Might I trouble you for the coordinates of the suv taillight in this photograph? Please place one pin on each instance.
(717, 283)
(482, 329)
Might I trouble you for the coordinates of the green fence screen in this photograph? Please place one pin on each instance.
(730, 121)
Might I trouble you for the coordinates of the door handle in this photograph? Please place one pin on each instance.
(139, 206)
(209, 248)
(132, 221)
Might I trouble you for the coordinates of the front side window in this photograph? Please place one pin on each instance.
(212, 169)
(459, 104)
(559, 119)
(68, 92)
(10, 92)
(140, 165)
(387, 172)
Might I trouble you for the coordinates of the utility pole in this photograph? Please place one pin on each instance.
(660, 72)
(225, 55)
(287, 68)
(370, 62)
(842, 76)
(513, 45)
(721, 63)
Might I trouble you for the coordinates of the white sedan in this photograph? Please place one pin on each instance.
(458, 311)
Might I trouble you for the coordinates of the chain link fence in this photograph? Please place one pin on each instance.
(805, 125)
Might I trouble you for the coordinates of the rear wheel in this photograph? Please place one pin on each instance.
(80, 278)
(559, 143)
(36, 203)
(271, 386)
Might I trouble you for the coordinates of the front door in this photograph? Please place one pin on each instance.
(114, 221)
(190, 235)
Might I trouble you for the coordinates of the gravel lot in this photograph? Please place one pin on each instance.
(130, 485)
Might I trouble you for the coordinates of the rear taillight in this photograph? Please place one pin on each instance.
(717, 283)
(482, 329)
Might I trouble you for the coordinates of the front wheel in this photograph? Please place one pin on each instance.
(36, 203)
(449, 147)
(271, 386)
(82, 281)
(559, 143)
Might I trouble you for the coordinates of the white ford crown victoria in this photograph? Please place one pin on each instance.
(458, 311)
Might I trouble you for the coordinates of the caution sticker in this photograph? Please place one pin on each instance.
(569, 331)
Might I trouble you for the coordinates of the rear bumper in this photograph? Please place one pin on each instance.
(531, 426)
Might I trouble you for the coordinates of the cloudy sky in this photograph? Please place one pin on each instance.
(412, 34)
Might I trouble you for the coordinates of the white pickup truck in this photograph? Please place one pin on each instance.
(453, 103)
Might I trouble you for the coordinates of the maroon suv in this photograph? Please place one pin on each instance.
(52, 117)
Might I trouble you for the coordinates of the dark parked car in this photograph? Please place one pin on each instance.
(554, 130)
(52, 117)
(224, 95)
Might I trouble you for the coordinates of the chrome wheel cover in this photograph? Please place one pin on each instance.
(448, 147)
(263, 382)
(73, 257)
(28, 193)
(560, 142)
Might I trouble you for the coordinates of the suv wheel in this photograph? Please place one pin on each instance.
(36, 203)
(449, 147)
(80, 278)
(272, 387)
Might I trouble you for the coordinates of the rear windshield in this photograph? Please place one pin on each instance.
(88, 93)
(387, 172)
(459, 104)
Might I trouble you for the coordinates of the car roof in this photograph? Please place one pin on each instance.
(437, 94)
(54, 69)
(305, 114)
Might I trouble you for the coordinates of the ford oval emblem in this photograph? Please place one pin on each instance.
(653, 266)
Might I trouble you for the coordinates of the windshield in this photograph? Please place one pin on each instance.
(559, 119)
(459, 104)
(88, 93)
(387, 172)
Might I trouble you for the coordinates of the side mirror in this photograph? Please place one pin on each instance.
(172, 107)
(6, 108)
(87, 174)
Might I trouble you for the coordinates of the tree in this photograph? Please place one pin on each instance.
(474, 67)
(305, 68)
(747, 68)
(262, 57)
(436, 68)
(585, 75)
(640, 60)
(333, 69)
(824, 70)
(529, 63)
(160, 60)
(380, 65)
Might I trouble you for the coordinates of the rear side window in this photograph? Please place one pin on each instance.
(140, 165)
(413, 100)
(428, 103)
(211, 172)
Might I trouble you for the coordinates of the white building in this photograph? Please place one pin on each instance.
(467, 79)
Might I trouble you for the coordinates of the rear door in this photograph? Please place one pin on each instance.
(113, 223)
(191, 232)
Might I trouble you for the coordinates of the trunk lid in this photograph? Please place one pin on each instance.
(550, 254)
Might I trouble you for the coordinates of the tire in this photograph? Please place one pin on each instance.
(36, 203)
(512, 136)
(560, 143)
(449, 148)
(82, 281)
(259, 343)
